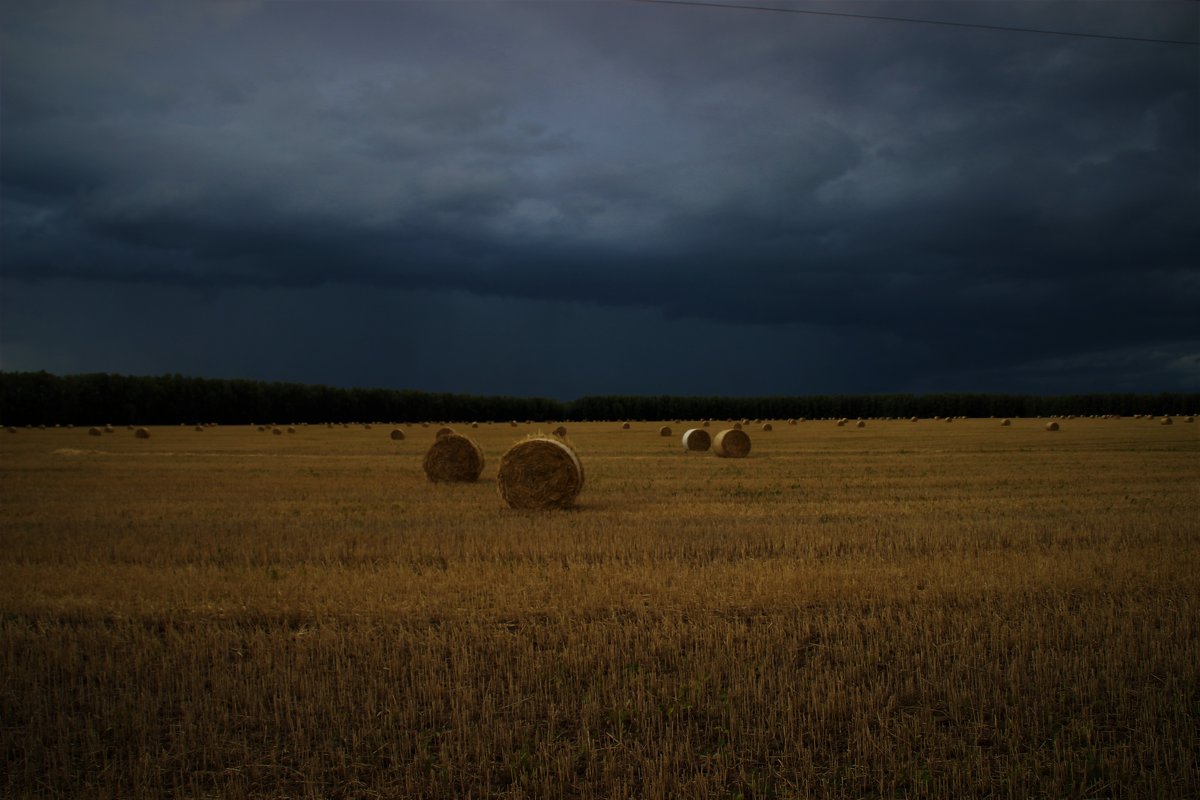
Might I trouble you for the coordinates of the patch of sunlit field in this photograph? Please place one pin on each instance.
(907, 609)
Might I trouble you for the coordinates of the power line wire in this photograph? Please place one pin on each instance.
(916, 20)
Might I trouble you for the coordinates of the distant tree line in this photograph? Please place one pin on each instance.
(39, 398)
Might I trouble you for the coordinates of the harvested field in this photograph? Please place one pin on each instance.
(959, 611)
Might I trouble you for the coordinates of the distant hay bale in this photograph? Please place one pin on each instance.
(1006, 422)
(841, 423)
(1051, 426)
(142, 433)
(276, 432)
(94, 432)
(443, 431)
(1189, 419)
(949, 419)
(453, 458)
(705, 424)
(665, 430)
(108, 428)
(731, 443)
(474, 424)
(262, 427)
(397, 435)
(696, 439)
(561, 430)
(766, 426)
(200, 428)
(540, 472)
(860, 424)
(625, 426)
(913, 419)
(1166, 421)
(11, 429)
(737, 426)
(291, 429)
(791, 422)
(513, 423)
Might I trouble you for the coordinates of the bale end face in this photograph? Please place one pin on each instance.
(767, 426)
(540, 472)
(453, 458)
(664, 431)
(731, 443)
(625, 426)
(1006, 422)
(397, 435)
(1051, 426)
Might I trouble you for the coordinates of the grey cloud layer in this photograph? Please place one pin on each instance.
(956, 189)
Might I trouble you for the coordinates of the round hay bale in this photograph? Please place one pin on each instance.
(1005, 422)
(397, 435)
(513, 423)
(11, 429)
(696, 439)
(1166, 421)
(561, 430)
(861, 424)
(276, 432)
(624, 426)
(665, 430)
(841, 423)
(443, 431)
(453, 458)
(737, 426)
(1189, 419)
(142, 433)
(705, 424)
(474, 424)
(731, 443)
(200, 428)
(94, 432)
(949, 419)
(540, 472)
(766, 426)
(108, 428)
(1051, 426)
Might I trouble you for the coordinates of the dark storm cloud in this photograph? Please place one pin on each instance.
(972, 196)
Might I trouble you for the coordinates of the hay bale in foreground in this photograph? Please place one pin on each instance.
(731, 443)
(453, 458)
(665, 430)
(1051, 426)
(540, 472)
(142, 433)
(696, 439)
(397, 435)
(443, 431)
(1005, 422)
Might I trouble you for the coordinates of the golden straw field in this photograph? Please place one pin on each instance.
(907, 609)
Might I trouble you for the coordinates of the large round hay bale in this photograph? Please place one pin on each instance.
(1006, 422)
(696, 439)
(142, 433)
(665, 430)
(540, 472)
(1051, 426)
(397, 435)
(561, 430)
(731, 443)
(94, 432)
(445, 430)
(453, 458)
(767, 426)
(1166, 421)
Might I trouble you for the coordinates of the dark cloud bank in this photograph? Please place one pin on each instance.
(574, 198)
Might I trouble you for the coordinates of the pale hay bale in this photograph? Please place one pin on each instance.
(540, 472)
(860, 424)
(731, 443)
(949, 419)
(561, 430)
(841, 423)
(913, 419)
(1166, 421)
(108, 428)
(791, 422)
(513, 423)
(766, 426)
(94, 432)
(664, 431)
(1051, 426)
(696, 439)
(142, 433)
(705, 424)
(453, 458)
(474, 424)
(1006, 422)
(625, 426)
(397, 435)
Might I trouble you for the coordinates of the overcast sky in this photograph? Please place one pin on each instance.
(571, 198)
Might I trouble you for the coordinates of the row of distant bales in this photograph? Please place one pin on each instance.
(542, 471)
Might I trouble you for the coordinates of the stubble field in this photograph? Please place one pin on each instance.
(903, 610)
